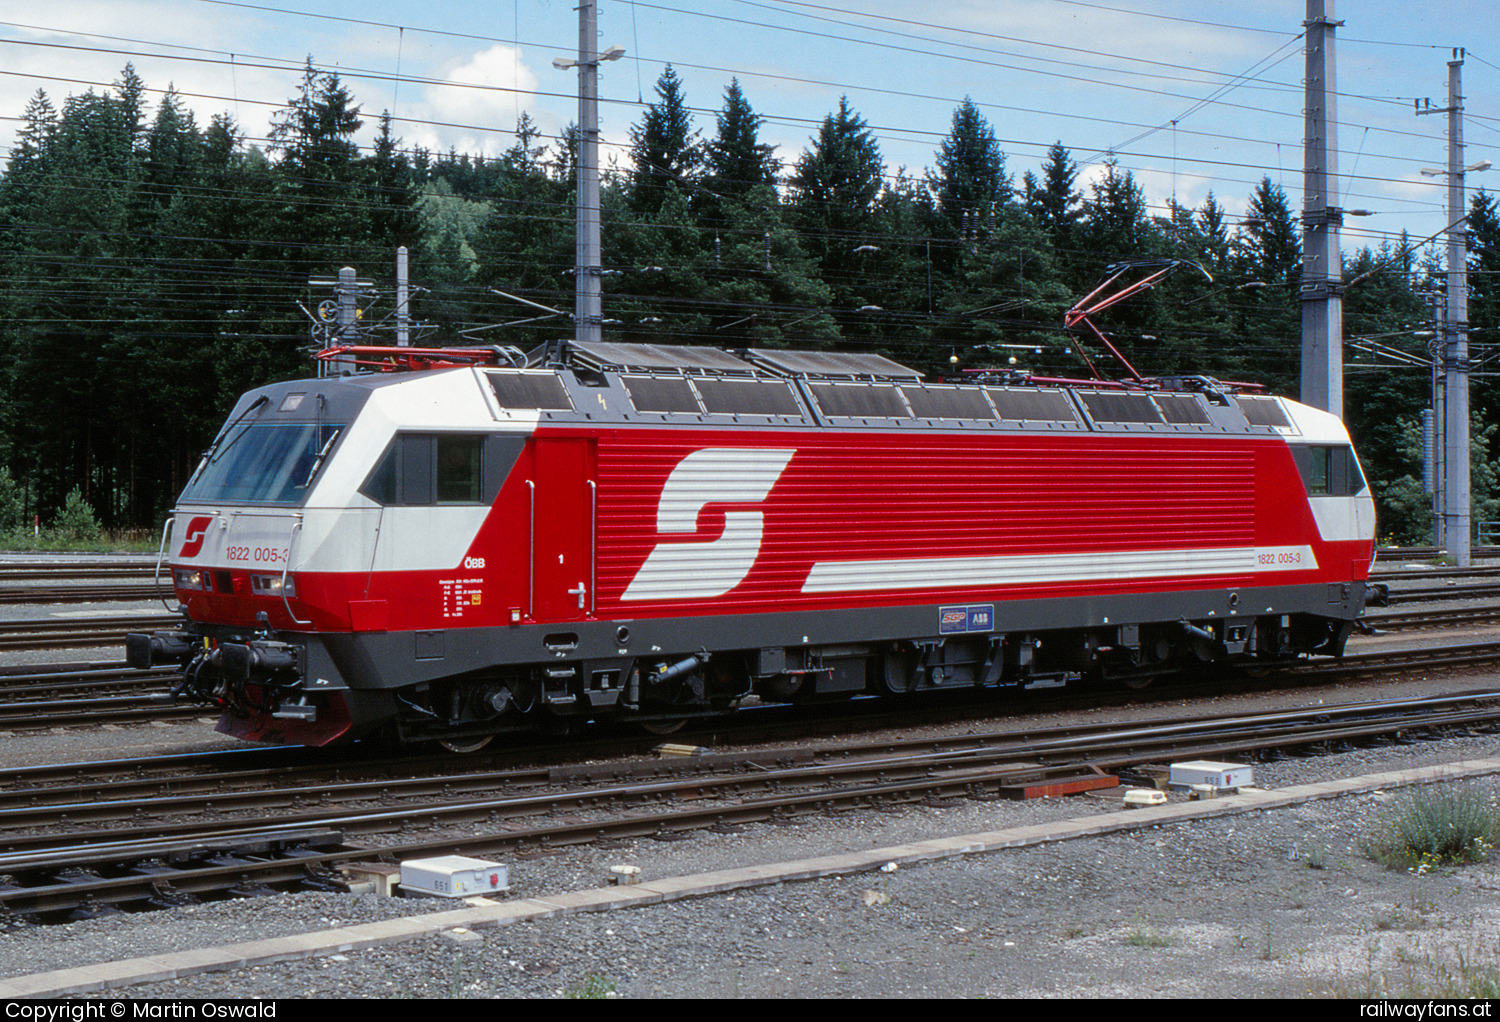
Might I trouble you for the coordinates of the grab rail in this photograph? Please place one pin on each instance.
(286, 568)
(161, 553)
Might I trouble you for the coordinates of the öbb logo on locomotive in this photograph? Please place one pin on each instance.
(452, 546)
(196, 530)
(717, 475)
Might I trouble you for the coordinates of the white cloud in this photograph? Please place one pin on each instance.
(476, 107)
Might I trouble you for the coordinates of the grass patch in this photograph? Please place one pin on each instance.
(594, 986)
(1447, 975)
(1435, 826)
(49, 540)
(1142, 934)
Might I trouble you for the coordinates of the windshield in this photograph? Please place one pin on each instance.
(263, 464)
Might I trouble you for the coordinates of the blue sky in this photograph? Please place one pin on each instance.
(1096, 76)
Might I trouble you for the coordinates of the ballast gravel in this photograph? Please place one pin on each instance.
(1267, 903)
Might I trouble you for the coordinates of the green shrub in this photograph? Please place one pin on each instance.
(76, 520)
(1436, 826)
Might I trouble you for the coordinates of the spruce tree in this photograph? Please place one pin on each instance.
(1052, 200)
(834, 190)
(393, 217)
(1114, 224)
(1269, 243)
(528, 240)
(664, 150)
(319, 174)
(735, 160)
(970, 184)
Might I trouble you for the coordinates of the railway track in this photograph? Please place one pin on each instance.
(81, 581)
(179, 849)
(206, 834)
(79, 569)
(136, 593)
(1422, 553)
(1450, 618)
(79, 632)
(82, 681)
(1444, 593)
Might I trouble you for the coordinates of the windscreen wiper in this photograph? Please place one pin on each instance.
(214, 451)
(318, 461)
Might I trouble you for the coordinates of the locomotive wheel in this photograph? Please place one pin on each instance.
(463, 746)
(663, 727)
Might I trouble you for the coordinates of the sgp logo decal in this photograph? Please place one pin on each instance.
(192, 541)
(719, 475)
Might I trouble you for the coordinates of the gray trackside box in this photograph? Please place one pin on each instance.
(1216, 775)
(454, 876)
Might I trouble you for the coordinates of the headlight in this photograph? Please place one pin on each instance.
(270, 585)
(187, 578)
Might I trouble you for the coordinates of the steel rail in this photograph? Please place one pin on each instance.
(84, 594)
(942, 776)
(973, 766)
(1006, 754)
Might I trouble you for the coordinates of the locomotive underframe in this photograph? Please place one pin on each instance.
(464, 682)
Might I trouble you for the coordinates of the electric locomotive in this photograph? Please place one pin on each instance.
(444, 544)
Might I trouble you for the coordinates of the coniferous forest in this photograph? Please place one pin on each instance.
(153, 268)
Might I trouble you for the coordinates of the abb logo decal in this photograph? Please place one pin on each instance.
(700, 570)
(197, 530)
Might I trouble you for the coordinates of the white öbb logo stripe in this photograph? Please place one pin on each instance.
(695, 571)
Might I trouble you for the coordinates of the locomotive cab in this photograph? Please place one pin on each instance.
(231, 543)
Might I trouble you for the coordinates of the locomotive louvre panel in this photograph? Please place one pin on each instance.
(1263, 411)
(1120, 409)
(607, 354)
(1032, 405)
(1182, 409)
(814, 364)
(948, 403)
(530, 391)
(860, 401)
(747, 397)
(662, 394)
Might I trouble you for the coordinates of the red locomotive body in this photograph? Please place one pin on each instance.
(664, 532)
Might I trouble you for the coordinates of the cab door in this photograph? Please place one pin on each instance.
(564, 510)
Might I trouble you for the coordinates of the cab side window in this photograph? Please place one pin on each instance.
(426, 469)
(1320, 461)
(458, 469)
(1329, 471)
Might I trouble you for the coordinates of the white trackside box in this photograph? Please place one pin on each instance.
(1216, 775)
(454, 876)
